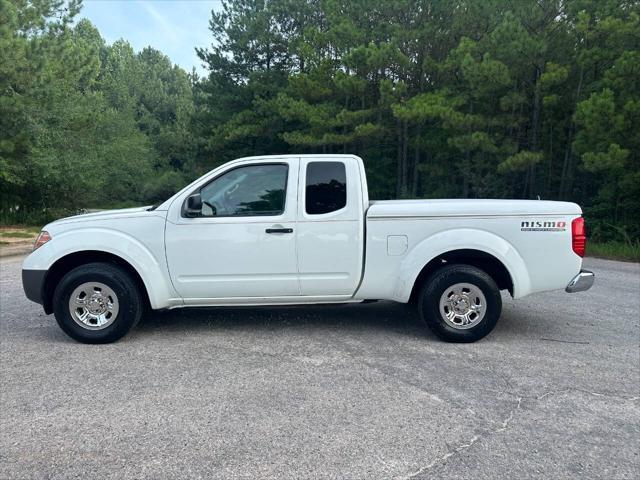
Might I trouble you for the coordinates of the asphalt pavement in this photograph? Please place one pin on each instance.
(356, 391)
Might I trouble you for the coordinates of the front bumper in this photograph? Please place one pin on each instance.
(581, 282)
(32, 283)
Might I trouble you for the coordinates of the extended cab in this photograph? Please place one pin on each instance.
(298, 229)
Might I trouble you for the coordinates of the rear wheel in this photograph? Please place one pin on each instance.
(97, 303)
(460, 303)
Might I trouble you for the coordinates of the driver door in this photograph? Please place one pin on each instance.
(242, 245)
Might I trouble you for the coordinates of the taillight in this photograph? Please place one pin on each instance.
(578, 236)
(43, 238)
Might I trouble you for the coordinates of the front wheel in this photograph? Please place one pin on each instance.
(97, 303)
(460, 303)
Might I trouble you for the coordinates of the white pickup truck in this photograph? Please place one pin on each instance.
(296, 229)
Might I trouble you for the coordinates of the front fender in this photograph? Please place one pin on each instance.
(151, 267)
(461, 239)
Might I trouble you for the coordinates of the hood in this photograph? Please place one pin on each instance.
(103, 215)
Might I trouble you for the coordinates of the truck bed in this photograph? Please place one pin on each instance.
(532, 239)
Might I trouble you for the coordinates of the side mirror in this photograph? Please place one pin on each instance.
(194, 206)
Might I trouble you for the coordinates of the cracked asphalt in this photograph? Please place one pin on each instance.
(357, 391)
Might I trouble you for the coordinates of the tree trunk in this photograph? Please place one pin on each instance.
(466, 167)
(526, 183)
(562, 193)
(535, 133)
(465, 174)
(567, 167)
(405, 160)
(416, 172)
(547, 191)
(399, 159)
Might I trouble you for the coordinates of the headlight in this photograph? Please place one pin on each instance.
(43, 238)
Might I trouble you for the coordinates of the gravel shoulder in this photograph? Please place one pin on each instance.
(356, 391)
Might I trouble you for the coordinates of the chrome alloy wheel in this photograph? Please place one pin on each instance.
(463, 305)
(93, 306)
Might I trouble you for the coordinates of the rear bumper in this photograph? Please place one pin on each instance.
(581, 282)
(32, 283)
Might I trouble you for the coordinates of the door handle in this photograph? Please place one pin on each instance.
(279, 230)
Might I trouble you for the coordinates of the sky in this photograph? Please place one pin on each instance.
(175, 27)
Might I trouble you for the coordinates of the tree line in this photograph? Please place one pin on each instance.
(456, 98)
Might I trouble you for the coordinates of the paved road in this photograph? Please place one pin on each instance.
(328, 392)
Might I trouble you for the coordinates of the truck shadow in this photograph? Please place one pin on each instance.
(386, 318)
(379, 316)
(382, 318)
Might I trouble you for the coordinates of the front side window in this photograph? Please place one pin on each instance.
(326, 188)
(246, 191)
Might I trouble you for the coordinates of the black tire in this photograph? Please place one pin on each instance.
(130, 302)
(444, 278)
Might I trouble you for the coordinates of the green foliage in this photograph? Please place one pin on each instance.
(160, 187)
(615, 250)
(81, 123)
(470, 98)
(520, 161)
(33, 216)
(16, 234)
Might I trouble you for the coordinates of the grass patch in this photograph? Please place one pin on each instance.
(2, 243)
(614, 250)
(18, 234)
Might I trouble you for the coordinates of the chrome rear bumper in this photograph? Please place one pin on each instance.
(581, 282)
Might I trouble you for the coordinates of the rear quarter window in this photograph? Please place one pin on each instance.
(326, 187)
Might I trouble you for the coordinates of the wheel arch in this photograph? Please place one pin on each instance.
(68, 262)
(479, 248)
(476, 258)
(145, 260)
